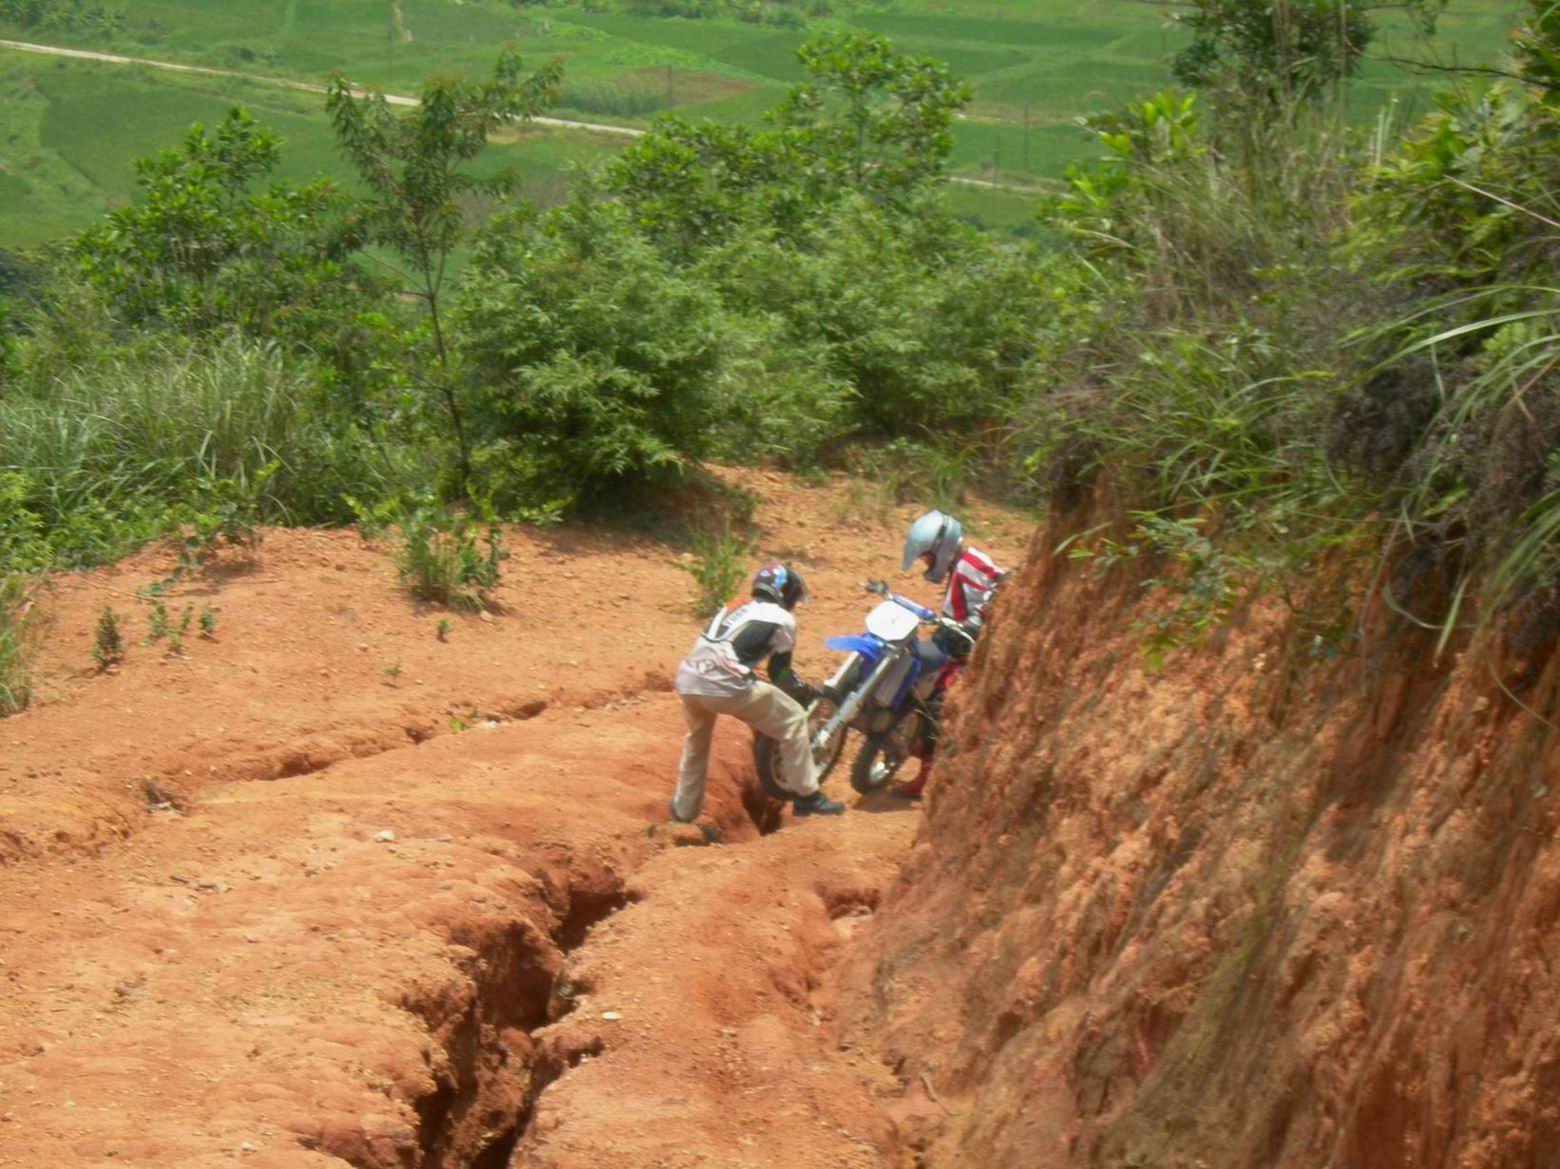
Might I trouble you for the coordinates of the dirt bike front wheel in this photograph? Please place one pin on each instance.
(766, 752)
(878, 761)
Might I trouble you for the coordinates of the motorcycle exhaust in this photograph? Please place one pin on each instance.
(852, 704)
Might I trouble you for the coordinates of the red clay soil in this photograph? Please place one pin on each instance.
(327, 889)
(1256, 909)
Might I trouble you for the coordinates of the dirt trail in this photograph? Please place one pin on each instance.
(265, 902)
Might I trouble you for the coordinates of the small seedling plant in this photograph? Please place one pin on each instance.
(157, 622)
(720, 560)
(108, 643)
(176, 634)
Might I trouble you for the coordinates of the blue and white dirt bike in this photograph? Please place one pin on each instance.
(881, 691)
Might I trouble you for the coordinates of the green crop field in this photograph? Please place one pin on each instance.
(70, 130)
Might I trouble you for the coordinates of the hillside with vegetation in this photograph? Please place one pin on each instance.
(1240, 849)
(1282, 334)
(72, 128)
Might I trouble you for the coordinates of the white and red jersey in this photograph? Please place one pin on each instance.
(971, 581)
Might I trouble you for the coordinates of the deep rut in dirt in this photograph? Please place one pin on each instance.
(492, 1064)
(493, 1067)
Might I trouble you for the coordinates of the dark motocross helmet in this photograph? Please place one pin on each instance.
(781, 584)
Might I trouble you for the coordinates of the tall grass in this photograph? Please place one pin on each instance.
(136, 426)
(1486, 480)
(18, 633)
(1277, 336)
(98, 457)
(1196, 356)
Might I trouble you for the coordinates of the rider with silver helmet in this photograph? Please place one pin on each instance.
(936, 539)
(717, 677)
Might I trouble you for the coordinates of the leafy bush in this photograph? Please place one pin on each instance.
(441, 561)
(778, 398)
(592, 363)
(929, 324)
(718, 566)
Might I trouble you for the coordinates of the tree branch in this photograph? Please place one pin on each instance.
(1466, 70)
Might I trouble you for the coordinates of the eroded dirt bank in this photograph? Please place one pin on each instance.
(333, 890)
(1246, 911)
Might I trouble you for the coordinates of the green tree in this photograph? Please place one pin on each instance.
(416, 166)
(689, 185)
(872, 119)
(1280, 50)
(592, 361)
(198, 248)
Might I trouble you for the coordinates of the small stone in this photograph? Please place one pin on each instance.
(384, 836)
(611, 1016)
(363, 647)
(1480, 704)
(247, 1147)
(484, 615)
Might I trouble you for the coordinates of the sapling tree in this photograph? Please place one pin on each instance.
(870, 117)
(415, 165)
(869, 120)
(1276, 52)
(201, 248)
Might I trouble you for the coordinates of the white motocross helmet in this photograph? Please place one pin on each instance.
(938, 534)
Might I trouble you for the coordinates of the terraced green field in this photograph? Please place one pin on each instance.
(70, 130)
(70, 133)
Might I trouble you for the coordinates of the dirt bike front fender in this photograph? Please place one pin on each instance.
(869, 648)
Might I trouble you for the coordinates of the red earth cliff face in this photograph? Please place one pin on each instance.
(1244, 911)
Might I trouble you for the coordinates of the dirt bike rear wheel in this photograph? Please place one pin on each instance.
(766, 752)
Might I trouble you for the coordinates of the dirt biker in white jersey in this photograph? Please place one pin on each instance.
(717, 677)
(936, 539)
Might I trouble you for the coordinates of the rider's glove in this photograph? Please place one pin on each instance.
(880, 587)
(792, 686)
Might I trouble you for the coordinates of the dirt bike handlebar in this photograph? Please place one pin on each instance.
(880, 588)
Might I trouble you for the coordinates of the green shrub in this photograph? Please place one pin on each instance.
(720, 560)
(441, 561)
(592, 362)
(778, 398)
(108, 643)
(929, 325)
(18, 641)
